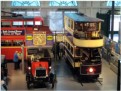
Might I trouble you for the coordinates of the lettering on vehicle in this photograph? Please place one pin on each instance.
(12, 32)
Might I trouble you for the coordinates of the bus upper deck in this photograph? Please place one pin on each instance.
(23, 21)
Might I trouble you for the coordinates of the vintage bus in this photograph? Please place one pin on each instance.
(21, 30)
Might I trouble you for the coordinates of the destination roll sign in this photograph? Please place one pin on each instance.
(12, 32)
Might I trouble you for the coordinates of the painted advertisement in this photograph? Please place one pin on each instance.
(39, 38)
(29, 40)
(49, 40)
(12, 32)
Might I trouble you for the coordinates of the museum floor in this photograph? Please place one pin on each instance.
(65, 79)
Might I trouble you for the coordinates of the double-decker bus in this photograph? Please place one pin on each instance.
(83, 43)
(21, 30)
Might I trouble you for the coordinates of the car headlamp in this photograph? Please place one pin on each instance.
(29, 68)
(50, 67)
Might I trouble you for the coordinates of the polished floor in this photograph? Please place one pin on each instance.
(65, 79)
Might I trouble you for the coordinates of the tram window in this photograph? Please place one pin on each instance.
(71, 49)
(71, 24)
(68, 22)
(5, 24)
(97, 26)
(77, 52)
(85, 26)
(91, 27)
(17, 23)
(78, 26)
(66, 43)
(68, 46)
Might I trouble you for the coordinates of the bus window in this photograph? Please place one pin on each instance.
(28, 23)
(5, 24)
(6, 43)
(17, 42)
(38, 23)
(17, 23)
(2, 43)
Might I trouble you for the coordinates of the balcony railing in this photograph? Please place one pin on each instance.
(88, 35)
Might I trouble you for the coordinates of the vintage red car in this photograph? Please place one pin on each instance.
(39, 68)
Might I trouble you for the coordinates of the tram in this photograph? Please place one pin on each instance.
(83, 42)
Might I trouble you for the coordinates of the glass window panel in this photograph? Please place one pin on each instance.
(36, 13)
(56, 21)
(7, 43)
(17, 42)
(38, 23)
(117, 48)
(30, 13)
(69, 12)
(109, 36)
(17, 23)
(115, 37)
(22, 12)
(63, 3)
(117, 3)
(25, 3)
(116, 22)
(77, 51)
(19, 12)
(71, 49)
(30, 23)
(116, 26)
(6, 24)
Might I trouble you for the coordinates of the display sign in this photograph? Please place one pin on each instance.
(12, 32)
(39, 38)
(49, 37)
(29, 37)
(59, 37)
